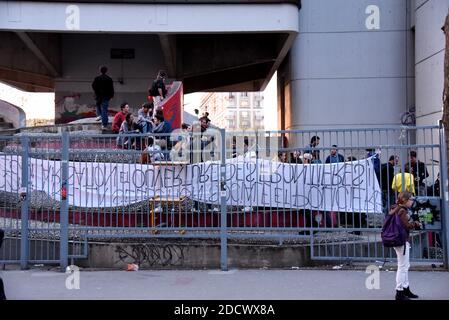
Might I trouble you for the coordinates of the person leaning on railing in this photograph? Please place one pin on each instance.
(120, 117)
(145, 117)
(127, 127)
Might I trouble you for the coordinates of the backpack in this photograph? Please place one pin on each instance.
(393, 232)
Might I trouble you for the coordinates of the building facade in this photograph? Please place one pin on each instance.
(340, 63)
(236, 111)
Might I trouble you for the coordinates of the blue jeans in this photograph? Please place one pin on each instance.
(98, 111)
(146, 127)
(102, 110)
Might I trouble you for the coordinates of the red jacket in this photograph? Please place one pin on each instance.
(117, 122)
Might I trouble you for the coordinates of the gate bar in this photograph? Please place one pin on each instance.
(24, 243)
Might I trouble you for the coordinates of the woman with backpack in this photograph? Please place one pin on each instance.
(404, 202)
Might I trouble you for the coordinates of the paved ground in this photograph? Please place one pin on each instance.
(217, 285)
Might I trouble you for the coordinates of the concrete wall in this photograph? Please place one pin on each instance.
(13, 114)
(193, 254)
(429, 61)
(429, 65)
(345, 75)
(84, 53)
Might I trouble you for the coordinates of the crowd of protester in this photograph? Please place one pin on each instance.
(156, 130)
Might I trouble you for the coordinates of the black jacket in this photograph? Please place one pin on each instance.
(103, 88)
(387, 175)
(419, 171)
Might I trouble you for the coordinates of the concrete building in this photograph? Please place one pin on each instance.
(235, 110)
(341, 63)
(210, 46)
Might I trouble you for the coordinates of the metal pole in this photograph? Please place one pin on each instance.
(444, 196)
(64, 223)
(223, 224)
(24, 244)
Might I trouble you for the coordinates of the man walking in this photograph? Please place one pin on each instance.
(104, 91)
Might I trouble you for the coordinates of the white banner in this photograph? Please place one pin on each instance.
(347, 186)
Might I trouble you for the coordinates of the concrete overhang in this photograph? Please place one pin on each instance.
(210, 45)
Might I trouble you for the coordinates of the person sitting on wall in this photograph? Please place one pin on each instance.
(283, 157)
(162, 130)
(316, 157)
(314, 142)
(296, 157)
(144, 117)
(307, 158)
(128, 127)
(335, 157)
(152, 152)
(181, 146)
(120, 117)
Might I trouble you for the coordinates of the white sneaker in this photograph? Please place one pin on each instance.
(98, 119)
(104, 128)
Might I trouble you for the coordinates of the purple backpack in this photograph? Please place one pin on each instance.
(393, 232)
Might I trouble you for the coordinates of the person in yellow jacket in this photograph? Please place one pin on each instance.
(408, 179)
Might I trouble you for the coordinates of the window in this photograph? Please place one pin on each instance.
(258, 116)
(244, 114)
(231, 124)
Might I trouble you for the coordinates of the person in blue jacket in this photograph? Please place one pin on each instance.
(335, 157)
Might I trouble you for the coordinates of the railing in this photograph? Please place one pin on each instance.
(59, 191)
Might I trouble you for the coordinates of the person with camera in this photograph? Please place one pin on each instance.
(402, 207)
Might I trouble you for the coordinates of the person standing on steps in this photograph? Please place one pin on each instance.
(103, 87)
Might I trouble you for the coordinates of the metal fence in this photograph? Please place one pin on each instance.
(326, 189)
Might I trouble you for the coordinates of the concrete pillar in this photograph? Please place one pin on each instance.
(352, 65)
(430, 44)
